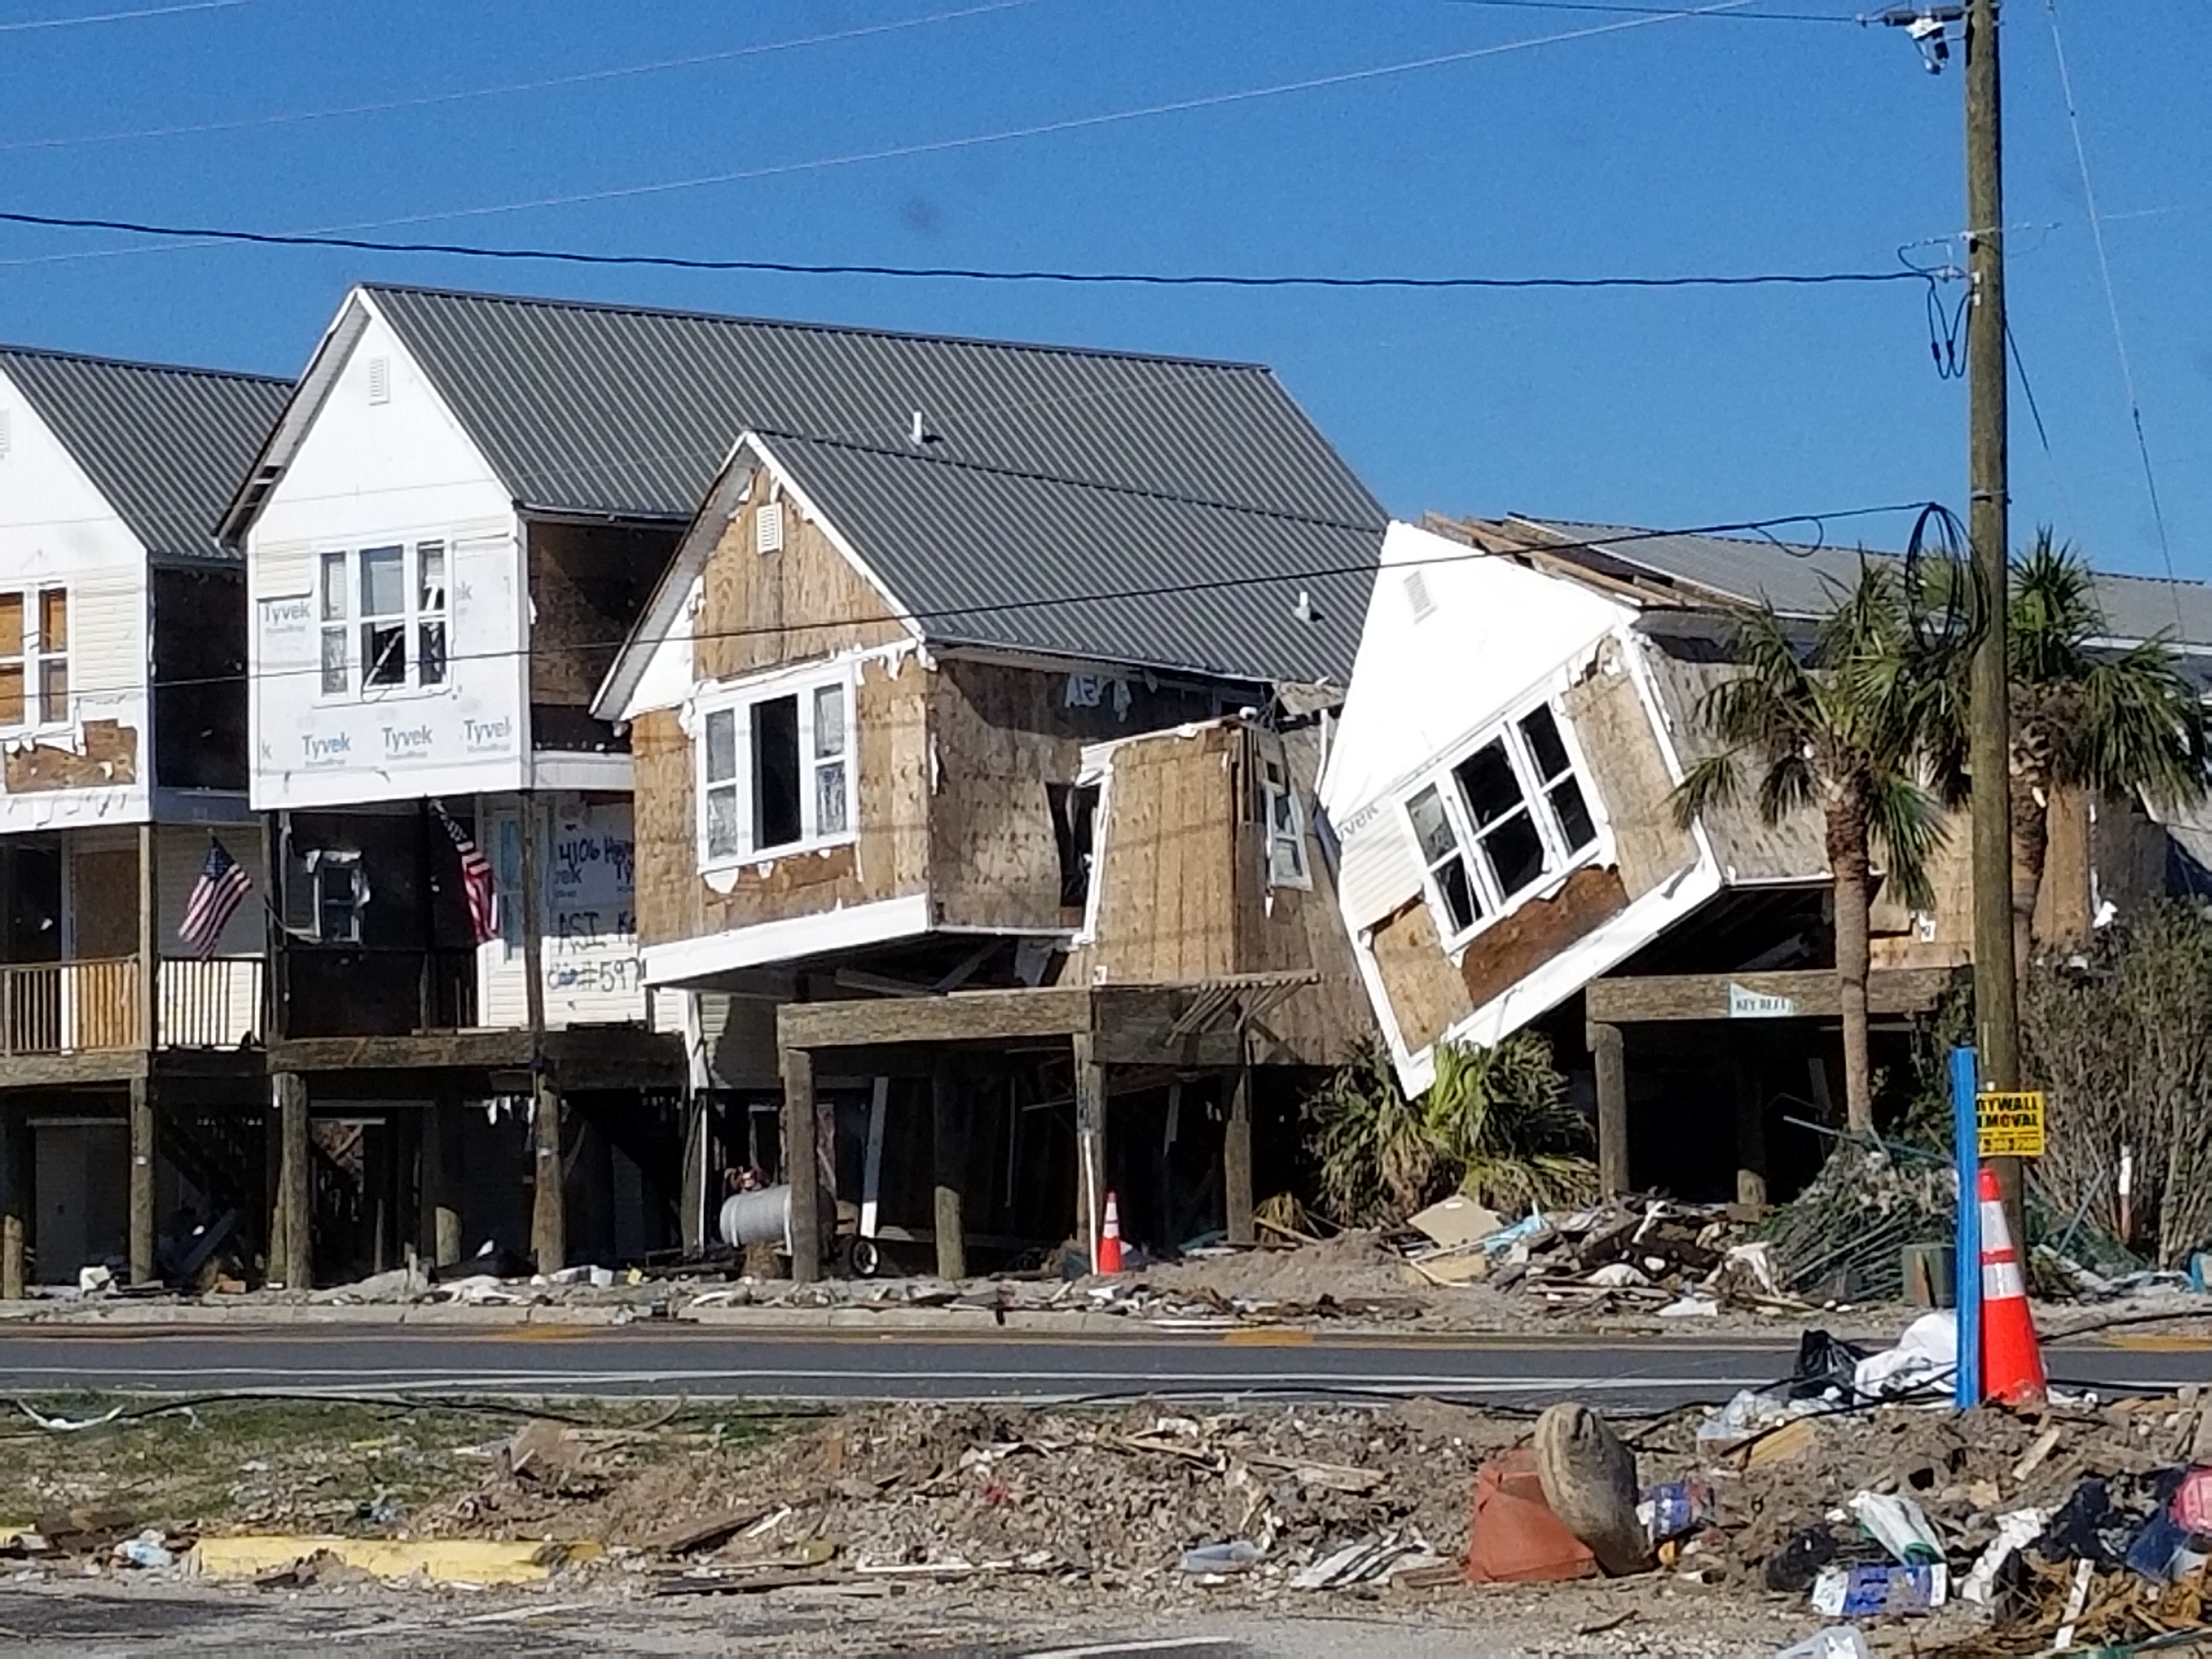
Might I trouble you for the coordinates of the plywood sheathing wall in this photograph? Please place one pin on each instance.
(1427, 995)
(1000, 735)
(1167, 870)
(888, 859)
(1613, 726)
(760, 611)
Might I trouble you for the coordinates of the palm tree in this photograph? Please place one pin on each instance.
(2112, 723)
(1846, 723)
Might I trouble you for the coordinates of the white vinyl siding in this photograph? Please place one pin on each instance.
(589, 918)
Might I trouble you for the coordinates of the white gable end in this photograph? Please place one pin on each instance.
(381, 463)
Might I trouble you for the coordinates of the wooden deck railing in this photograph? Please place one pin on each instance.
(69, 1008)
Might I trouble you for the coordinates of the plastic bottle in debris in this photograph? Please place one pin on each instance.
(1675, 1508)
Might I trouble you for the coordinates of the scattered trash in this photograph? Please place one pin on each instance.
(1836, 1642)
(1899, 1526)
(149, 1549)
(2015, 1532)
(1513, 1537)
(1880, 1592)
(1675, 1508)
(1233, 1556)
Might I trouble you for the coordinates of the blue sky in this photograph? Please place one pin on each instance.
(1715, 144)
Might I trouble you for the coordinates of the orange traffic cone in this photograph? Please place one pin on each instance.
(2012, 1364)
(1109, 1239)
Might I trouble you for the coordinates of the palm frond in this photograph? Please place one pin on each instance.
(1904, 821)
(1711, 783)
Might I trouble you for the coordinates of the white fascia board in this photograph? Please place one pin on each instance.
(640, 677)
(300, 408)
(555, 768)
(1597, 952)
(790, 940)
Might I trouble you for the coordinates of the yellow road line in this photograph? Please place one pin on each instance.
(1283, 1337)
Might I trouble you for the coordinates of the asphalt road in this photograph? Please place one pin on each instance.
(1627, 1375)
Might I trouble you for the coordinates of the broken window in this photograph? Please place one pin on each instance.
(34, 642)
(1440, 851)
(393, 602)
(1515, 812)
(776, 773)
(1286, 832)
(1555, 772)
(341, 894)
(1074, 808)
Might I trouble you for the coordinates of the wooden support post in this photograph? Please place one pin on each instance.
(293, 1262)
(802, 1165)
(18, 1187)
(949, 1149)
(1606, 1045)
(441, 1179)
(1750, 1134)
(142, 1267)
(1236, 1160)
(548, 1212)
(1090, 1145)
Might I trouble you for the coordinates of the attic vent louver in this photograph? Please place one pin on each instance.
(767, 527)
(380, 379)
(1416, 595)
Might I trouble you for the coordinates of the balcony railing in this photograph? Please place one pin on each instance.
(84, 1007)
(69, 1008)
(209, 1005)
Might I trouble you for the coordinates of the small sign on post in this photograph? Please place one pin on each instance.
(1745, 1004)
(2009, 1125)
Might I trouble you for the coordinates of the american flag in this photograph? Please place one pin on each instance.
(477, 885)
(223, 885)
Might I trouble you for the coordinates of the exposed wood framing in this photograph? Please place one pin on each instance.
(802, 1165)
(294, 1255)
(1611, 1057)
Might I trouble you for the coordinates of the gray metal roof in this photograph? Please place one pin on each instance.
(616, 410)
(1118, 572)
(1799, 581)
(165, 446)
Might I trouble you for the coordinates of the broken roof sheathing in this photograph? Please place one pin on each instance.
(165, 446)
(1800, 580)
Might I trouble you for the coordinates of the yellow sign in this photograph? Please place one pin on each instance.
(2011, 1126)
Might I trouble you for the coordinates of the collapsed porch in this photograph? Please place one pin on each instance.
(1110, 1034)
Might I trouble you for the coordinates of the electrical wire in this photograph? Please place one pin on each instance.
(963, 273)
(2112, 300)
(1661, 11)
(1287, 579)
(22, 25)
(584, 77)
(940, 146)
(2042, 434)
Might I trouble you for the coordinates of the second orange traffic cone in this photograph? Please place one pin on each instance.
(1109, 1239)
(2012, 1363)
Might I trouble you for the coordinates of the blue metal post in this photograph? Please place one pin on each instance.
(1965, 1131)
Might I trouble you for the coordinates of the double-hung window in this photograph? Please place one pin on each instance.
(35, 646)
(383, 614)
(775, 772)
(1502, 820)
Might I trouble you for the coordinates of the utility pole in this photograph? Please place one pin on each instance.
(1997, 986)
(1989, 755)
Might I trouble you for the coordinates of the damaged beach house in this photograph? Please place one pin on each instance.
(1525, 701)
(130, 1082)
(976, 725)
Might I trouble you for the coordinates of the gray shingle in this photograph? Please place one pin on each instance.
(165, 446)
(1801, 580)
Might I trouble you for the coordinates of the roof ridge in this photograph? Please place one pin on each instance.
(1107, 486)
(555, 302)
(54, 354)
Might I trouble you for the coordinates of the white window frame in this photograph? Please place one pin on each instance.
(1282, 815)
(342, 619)
(34, 655)
(1492, 902)
(320, 864)
(737, 703)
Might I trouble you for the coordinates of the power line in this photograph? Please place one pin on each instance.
(787, 267)
(28, 23)
(585, 77)
(1285, 579)
(2111, 299)
(1662, 11)
(940, 146)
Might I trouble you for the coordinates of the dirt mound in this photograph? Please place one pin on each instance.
(1356, 1264)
